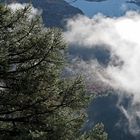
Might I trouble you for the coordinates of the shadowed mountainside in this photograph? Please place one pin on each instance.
(95, 0)
(54, 12)
(137, 2)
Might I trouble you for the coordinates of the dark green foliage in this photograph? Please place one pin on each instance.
(35, 101)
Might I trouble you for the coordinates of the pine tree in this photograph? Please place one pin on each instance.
(36, 101)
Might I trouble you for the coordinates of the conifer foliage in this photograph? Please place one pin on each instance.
(36, 101)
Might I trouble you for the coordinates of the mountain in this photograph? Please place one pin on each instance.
(111, 8)
(95, 0)
(104, 109)
(54, 12)
(137, 2)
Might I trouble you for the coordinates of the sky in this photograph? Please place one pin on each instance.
(108, 7)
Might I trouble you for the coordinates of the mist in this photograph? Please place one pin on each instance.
(33, 11)
(120, 36)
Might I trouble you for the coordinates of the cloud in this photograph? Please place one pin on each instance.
(18, 6)
(121, 37)
(132, 115)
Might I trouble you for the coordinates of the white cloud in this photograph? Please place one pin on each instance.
(18, 6)
(121, 36)
(132, 114)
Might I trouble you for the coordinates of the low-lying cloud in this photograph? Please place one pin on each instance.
(121, 37)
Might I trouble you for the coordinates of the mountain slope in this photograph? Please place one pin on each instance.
(137, 2)
(54, 12)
